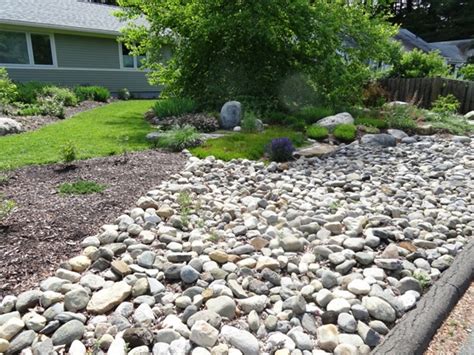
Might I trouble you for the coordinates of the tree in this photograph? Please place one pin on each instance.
(436, 20)
(250, 50)
(417, 64)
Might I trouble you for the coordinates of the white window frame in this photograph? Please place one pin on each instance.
(135, 60)
(29, 46)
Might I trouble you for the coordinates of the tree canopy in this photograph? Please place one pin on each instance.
(262, 50)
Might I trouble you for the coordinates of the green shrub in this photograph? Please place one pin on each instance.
(449, 122)
(68, 152)
(174, 106)
(6, 207)
(124, 94)
(345, 132)
(249, 122)
(295, 124)
(317, 132)
(51, 106)
(371, 122)
(64, 95)
(312, 114)
(274, 118)
(401, 116)
(179, 138)
(8, 89)
(93, 93)
(446, 104)
(28, 92)
(81, 187)
(202, 122)
(467, 72)
(27, 109)
(418, 64)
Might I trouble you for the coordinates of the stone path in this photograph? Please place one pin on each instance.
(312, 257)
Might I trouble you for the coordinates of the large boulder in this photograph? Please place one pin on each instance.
(469, 115)
(383, 139)
(231, 114)
(9, 126)
(331, 122)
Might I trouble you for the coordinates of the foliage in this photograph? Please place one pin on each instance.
(249, 122)
(467, 72)
(64, 95)
(27, 109)
(8, 89)
(317, 132)
(374, 95)
(401, 116)
(449, 122)
(423, 278)
(202, 122)
(275, 118)
(312, 114)
(94, 133)
(179, 138)
(215, 50)
(417, 64)
(345, 132)
(28, 92)
(51, 105)
(124, 94)
(6, 207)
(446, 104)
(81, 187)
(69, 152)
(371, 122)
(281, 149)
(174, 106)
(93, 93)
(245, 145)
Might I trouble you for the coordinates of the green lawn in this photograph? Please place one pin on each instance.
(103, 131)
(245, 145)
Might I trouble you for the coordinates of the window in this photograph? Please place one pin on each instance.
(129, 61)
(19, 48)
(13, 48)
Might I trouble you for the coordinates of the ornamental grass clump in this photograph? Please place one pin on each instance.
(317, 132)
(179, 138)
(345, 132)
(281, 149)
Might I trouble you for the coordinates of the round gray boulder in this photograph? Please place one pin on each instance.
(231, 114)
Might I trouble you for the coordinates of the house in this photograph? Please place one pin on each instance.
(456, 53)
(69, 43)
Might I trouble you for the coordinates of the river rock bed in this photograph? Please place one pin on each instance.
(317, 256)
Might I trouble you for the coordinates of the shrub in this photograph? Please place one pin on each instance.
(8, 89)
(274, 117)
(371, 122)
(467, 72)
(51, 105)
(81, 187)
(317, 132)
(249, 122)
(29, 92)
(93, 93)
(202, 122)
(417, 64)
(374, 95)
(64, 95)
(6, 207)
(68, 152)
(174, 106)
(281, 149)
(446, 104)
(27, 109)
(221, 52)
(401, 116)
(449, 122)
(178, 138)
(312, 114)
(124, 94)
(345, 132)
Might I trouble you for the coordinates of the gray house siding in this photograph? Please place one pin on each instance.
(135, 81)
(87, 52)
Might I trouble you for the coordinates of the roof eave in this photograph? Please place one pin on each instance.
(60, 27)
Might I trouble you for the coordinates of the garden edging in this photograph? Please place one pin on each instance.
(414, 332)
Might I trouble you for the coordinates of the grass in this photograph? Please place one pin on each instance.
(81, 187)
(345, 132)
(107, 130)
(371, 122)
(174, 106)
(245, 145)
(317, 132)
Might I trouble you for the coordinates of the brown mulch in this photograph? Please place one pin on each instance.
(47, 227)
(31, 123)
(455, 330)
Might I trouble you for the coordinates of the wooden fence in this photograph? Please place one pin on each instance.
(423, 91)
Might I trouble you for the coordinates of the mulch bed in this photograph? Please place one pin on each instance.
(31, 123)
(47, 227)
